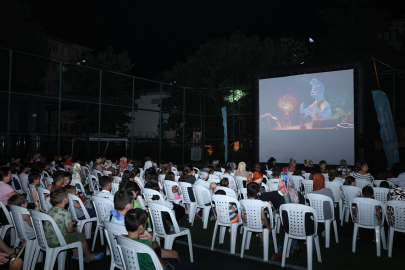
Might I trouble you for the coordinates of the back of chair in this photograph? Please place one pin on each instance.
(76, 183)
(114, 188)
(308, 186)
(294, 218)
(67, 168)
(184, 191)
(30, 195)
(167, 185)
(37, 219)
(396, 214)
(49, 181)
(217, 173)
(97, 174)
(41, 196)
(99, 206)
(273, 184)
(335, 187)
(253, 210)
(14, 178)
(72, 200)
(222, 207)
(111, 231)
(381, 194)
(316, 201)
(155, 210)
(326, 176)
(16, 212)
(361, 183)
(239, 181)
(45, 174)
(366, 212)
(198, 191)
(243, 192)
(129, 250)
(306, 176)
(149, 193)
(349, 193)
(117, 179)
(376, 183)
(228, 191)
(23, 182)
(93, 184)
(297, 181)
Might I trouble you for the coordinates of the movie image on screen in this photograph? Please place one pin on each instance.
(303, 115)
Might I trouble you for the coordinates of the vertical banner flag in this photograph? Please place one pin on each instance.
(225, 132)
(387, 128)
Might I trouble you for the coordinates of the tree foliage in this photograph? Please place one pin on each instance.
(115, 90)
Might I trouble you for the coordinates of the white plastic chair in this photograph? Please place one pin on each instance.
(376, 183)
(326, 176)
(10, 225)
(49, 181)
(149, 193)
(129, 250)
(297, 181)
(239, 181)
(106, 173)
(317, 201)
(295, 228)
(224, 221)
(112, 230)
(60, 169)
(308, 186)
(213, 178)
(217, 173)
(43, 204)
(156, 210)
(37, 219)
(31, 244)
(16, 178)
(228, 191)
(243, 193)
(273, 184)
(67, 168)
(191, 206)
(366, 218)
(361, 183)
(232, 182)
(23, 183)
(99, 206)
(306, 176)
(97, 174)
(381, 194)
(167, 185)
(176, 178)
(252, 209)
(81, 223)
(198, 191)
(335, 187)
(348, 193)
(117, 179)
(114, 188)
(395, 216)
(93, 184)
(30, 194)
(77, 182)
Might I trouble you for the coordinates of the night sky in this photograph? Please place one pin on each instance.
(158, 33)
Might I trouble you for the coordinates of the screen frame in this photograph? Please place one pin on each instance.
(363, 137)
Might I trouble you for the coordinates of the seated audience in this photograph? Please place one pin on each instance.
(6, 191)
(21, 201)
(105, 186)
(361, 172)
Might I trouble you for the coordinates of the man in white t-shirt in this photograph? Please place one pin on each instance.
(105, 185)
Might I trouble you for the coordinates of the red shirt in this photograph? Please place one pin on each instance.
(285, 169)
(68, 163)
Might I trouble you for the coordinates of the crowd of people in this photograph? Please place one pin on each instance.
(129, 205)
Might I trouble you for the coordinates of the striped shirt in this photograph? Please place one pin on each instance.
(367, 177)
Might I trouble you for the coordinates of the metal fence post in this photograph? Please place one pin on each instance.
(60, 103)
(99, 111)
(9, 103)
(160, 125)
(132, 119)
(233, 125)
(393, 97)
(184, 118)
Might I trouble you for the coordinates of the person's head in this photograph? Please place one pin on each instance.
(67, 157)
(123, 200)
(215, 163)
(322, 165)
(292, 164)
(5, 175)
(257, 166)
(204, 174)
(332, 173)
(188, 170)
(136, 172)
(17, 159)
(152, 176)
(67, 178)
(276, 172)
(401, 180)
(19, 200)
(59, 197)
(170, 176)
(34, 178)
(242, 166)
(317, 89)
(97, 159)
(343, 162)
(228, 169)
(135, 220)
(13, 167)
(153, 185)
(70, 189)
(384, 184)
(211, 169)
(133, 188)
(252, 190)
(58, 178)
(256, 177)
(162, 168)
(224, 182)
(319, 182)
(310, 163)
(350, 181)
(271, 162)
(367, 192)
(105, 183)
(306, 162)
(47, 165)
(220, 192)
(311, 175)
(361, 166)
(297, 171)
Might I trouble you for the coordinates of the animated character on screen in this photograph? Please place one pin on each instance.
(320, 109)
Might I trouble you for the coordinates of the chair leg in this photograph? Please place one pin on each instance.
(383, 241)
(284, 250)
(377, 238)
(347, 215)
(222, 230)
(35, 257)
(273, 233)
(342, 216)
(327, 233)
(29, 251)
(336, 232)
(242, 250)
(278, 224)
(95, 236)
(309, 252)
(61, 260)
(289, 247)
(169, 242)
(318, 249)
(190, 246)
(214, 235)
(234, 235)
(265, 245)
(206, 213)
(248, 238)
(354, 240)
(391, 232)
(80, 251)
(50, 260)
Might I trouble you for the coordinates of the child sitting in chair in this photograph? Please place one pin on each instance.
(368, 192)
(63, 219)
(233, 212)
(123, 202)
(19, 200)
(78, 208)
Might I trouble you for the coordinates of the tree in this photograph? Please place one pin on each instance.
(116, 90)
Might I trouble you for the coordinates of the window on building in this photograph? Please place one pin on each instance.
(54, 67)
(65, 87)
(66, 51)
(75, 53)
(52, 87)
(64, 127)
(54, 47)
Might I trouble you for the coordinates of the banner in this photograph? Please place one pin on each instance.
(195, 154)
(387, 128)
(197, 139)
(225, 132)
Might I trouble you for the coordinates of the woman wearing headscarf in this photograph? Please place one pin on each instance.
(319, 188)
(123, 164)
(241, 171)
(77, 173)
(148, 164)
(257, 177)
